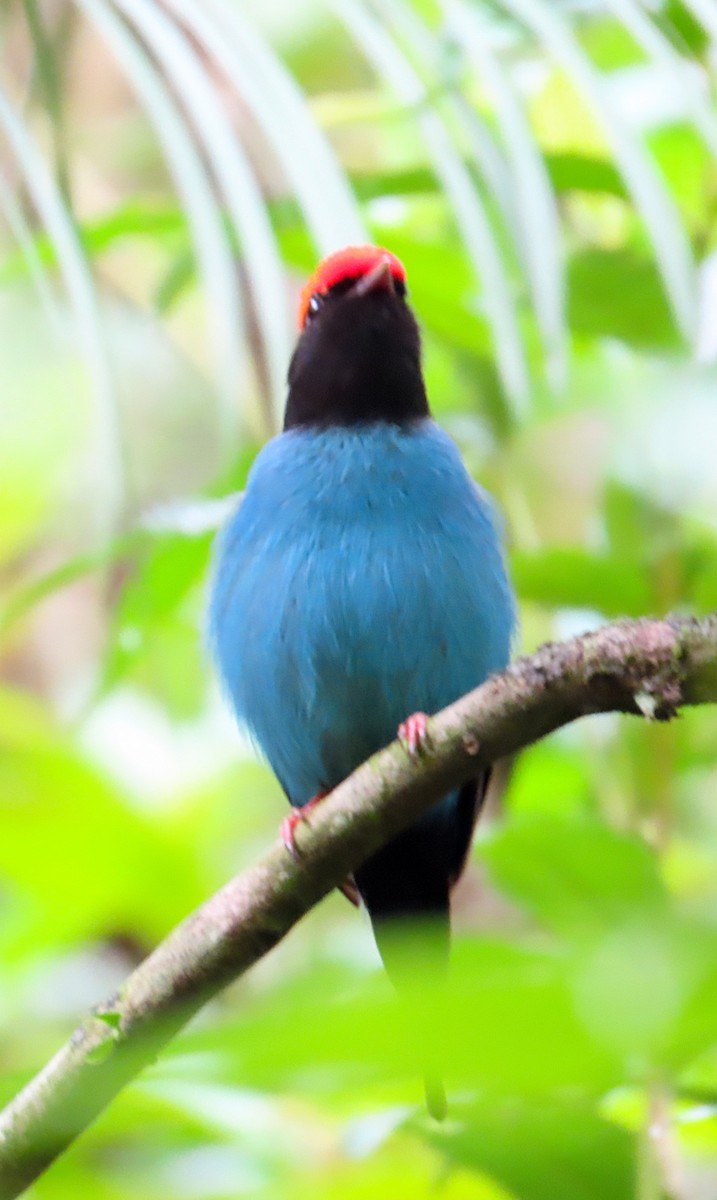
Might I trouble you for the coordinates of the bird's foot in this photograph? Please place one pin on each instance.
(413, 733)
(350, 891)
(289, 824)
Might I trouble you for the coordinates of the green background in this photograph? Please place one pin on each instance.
(546, 171)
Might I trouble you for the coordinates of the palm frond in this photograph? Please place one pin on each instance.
(19, 227)
(679, 73)
(482, 247)
(77, 276)
(235, 180)
(282, 112)
(195, 191)
(705, 14)
(651, 197)
(460, 81)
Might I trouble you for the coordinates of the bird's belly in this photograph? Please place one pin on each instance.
(347, 631)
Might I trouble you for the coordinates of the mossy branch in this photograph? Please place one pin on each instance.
(647, 667)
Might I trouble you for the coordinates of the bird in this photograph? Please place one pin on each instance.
(361, 582)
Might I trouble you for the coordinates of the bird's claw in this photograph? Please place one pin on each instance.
(288, 826)
(288, 831)
(350, 891)
(413, 733)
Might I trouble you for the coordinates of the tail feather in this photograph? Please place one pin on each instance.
(407, 901)
(405, 887)
(415, 955)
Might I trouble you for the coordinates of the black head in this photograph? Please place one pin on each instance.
(358, 357)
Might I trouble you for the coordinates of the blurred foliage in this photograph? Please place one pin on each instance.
(547, 171)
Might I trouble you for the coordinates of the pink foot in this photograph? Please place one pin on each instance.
(350, 891)
(295, 817)
(413, 733)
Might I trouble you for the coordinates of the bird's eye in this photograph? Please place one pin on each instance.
(314, 305)
(399, 287)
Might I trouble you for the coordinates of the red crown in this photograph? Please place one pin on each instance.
(350, 263)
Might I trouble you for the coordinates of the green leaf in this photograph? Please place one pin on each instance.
(575, 875)
(551, 780)
(542, 1151)
(76, 856)
(635, 519)
(109, 1017)
(617, 294)
(643, 990)
(693, 21)
(20, 602)
(609, 44)
(704, 585)
(574, 578)
(581, 173)
(159, 580)
(180, 276)
(480, 1029)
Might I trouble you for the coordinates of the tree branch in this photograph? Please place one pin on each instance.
(644, 667)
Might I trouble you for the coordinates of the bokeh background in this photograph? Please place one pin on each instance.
(169, 172)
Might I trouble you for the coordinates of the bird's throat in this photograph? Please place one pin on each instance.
(359, 363)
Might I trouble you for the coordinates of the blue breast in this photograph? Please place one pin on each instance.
(360, 580)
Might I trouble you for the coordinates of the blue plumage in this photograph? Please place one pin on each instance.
(360, 580)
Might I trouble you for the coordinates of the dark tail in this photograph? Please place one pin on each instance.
(415, 955)
(405, 887)
(407, 900)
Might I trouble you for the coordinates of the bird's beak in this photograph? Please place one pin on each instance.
(379, 278)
